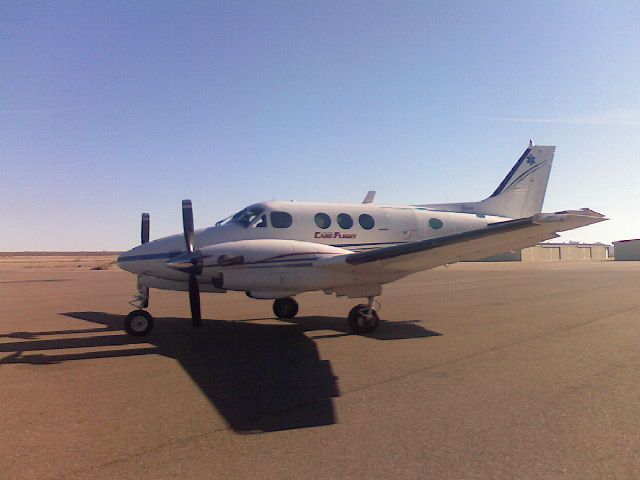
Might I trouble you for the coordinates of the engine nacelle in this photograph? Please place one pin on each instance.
(180, 286)
(271, 294)
(267, 268)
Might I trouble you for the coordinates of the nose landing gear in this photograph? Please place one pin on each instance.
(364, 318)
(139, 322)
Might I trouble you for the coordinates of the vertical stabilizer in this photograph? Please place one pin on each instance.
(522, 191)
(520, 194)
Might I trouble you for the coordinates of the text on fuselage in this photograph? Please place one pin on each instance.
(334, 235)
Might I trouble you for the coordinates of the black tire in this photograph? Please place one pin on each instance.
(138, 323)
(285, 307)
(361, 324)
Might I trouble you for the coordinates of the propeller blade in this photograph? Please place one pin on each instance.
(187, 223)
(194, 300)
(192, 263)
(144, 229)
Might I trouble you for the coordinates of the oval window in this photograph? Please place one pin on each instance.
(435, 223)
(322, 220)
(366, 221)
(281, 219)
(345, 221)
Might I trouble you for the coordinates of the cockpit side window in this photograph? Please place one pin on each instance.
(249, 217)
(281, 219)
(262, 222)
(241, 218)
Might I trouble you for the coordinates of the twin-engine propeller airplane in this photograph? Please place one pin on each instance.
(276, 250)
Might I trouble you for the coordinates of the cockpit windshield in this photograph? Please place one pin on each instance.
(249, 217)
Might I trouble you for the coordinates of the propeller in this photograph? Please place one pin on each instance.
(196, 260)
(144, 229)
(143, 292)
(194, 300)
(190, 262)
(187, 225)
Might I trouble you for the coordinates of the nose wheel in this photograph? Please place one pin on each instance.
(363, 318)
(138, 323)
(285, 307)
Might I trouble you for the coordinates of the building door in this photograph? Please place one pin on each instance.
(585, 253)
(551, 253)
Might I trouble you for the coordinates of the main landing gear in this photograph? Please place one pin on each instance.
(364, 318)
(285, 307)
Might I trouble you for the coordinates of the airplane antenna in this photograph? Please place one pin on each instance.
(369, 197)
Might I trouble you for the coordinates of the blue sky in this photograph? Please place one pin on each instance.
(108, 109)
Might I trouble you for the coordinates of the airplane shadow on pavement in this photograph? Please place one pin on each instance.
(260, 377)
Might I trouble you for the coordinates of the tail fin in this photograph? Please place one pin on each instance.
(522, 191)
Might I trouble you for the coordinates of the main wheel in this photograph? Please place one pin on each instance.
(285, 307)
(363, 320)
(138, 323)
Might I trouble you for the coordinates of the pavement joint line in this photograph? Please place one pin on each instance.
(192, 438)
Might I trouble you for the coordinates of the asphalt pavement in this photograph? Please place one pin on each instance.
(478, 371)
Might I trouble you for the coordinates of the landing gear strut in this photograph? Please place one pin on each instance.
(285, 307)
(139, 322)
(363, 318)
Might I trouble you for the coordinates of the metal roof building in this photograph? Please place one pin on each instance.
(627, 249)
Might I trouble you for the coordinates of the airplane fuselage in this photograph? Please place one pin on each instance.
(279, 241)
(276, 250)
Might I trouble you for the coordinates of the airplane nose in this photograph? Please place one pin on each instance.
(122, 261)
(128, 260)
(149, 257)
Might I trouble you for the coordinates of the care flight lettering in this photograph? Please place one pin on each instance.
(334, 235)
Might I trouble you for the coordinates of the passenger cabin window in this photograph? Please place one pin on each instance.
(345, 220)
(435, 223)
(281, 220)
(366, 221)
(322, 220)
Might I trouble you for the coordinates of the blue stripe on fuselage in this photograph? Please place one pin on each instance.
(149, 256)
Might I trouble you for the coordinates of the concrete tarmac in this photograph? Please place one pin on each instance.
(479, 371)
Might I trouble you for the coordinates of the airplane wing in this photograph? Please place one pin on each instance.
(472, 245)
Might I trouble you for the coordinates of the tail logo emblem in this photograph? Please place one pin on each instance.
(531, 159)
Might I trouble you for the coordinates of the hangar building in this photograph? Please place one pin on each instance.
(627, 249)
(555, 252)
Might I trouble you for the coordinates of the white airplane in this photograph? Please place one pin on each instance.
(276, 250)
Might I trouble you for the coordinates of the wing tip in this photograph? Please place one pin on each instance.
(586, 216)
